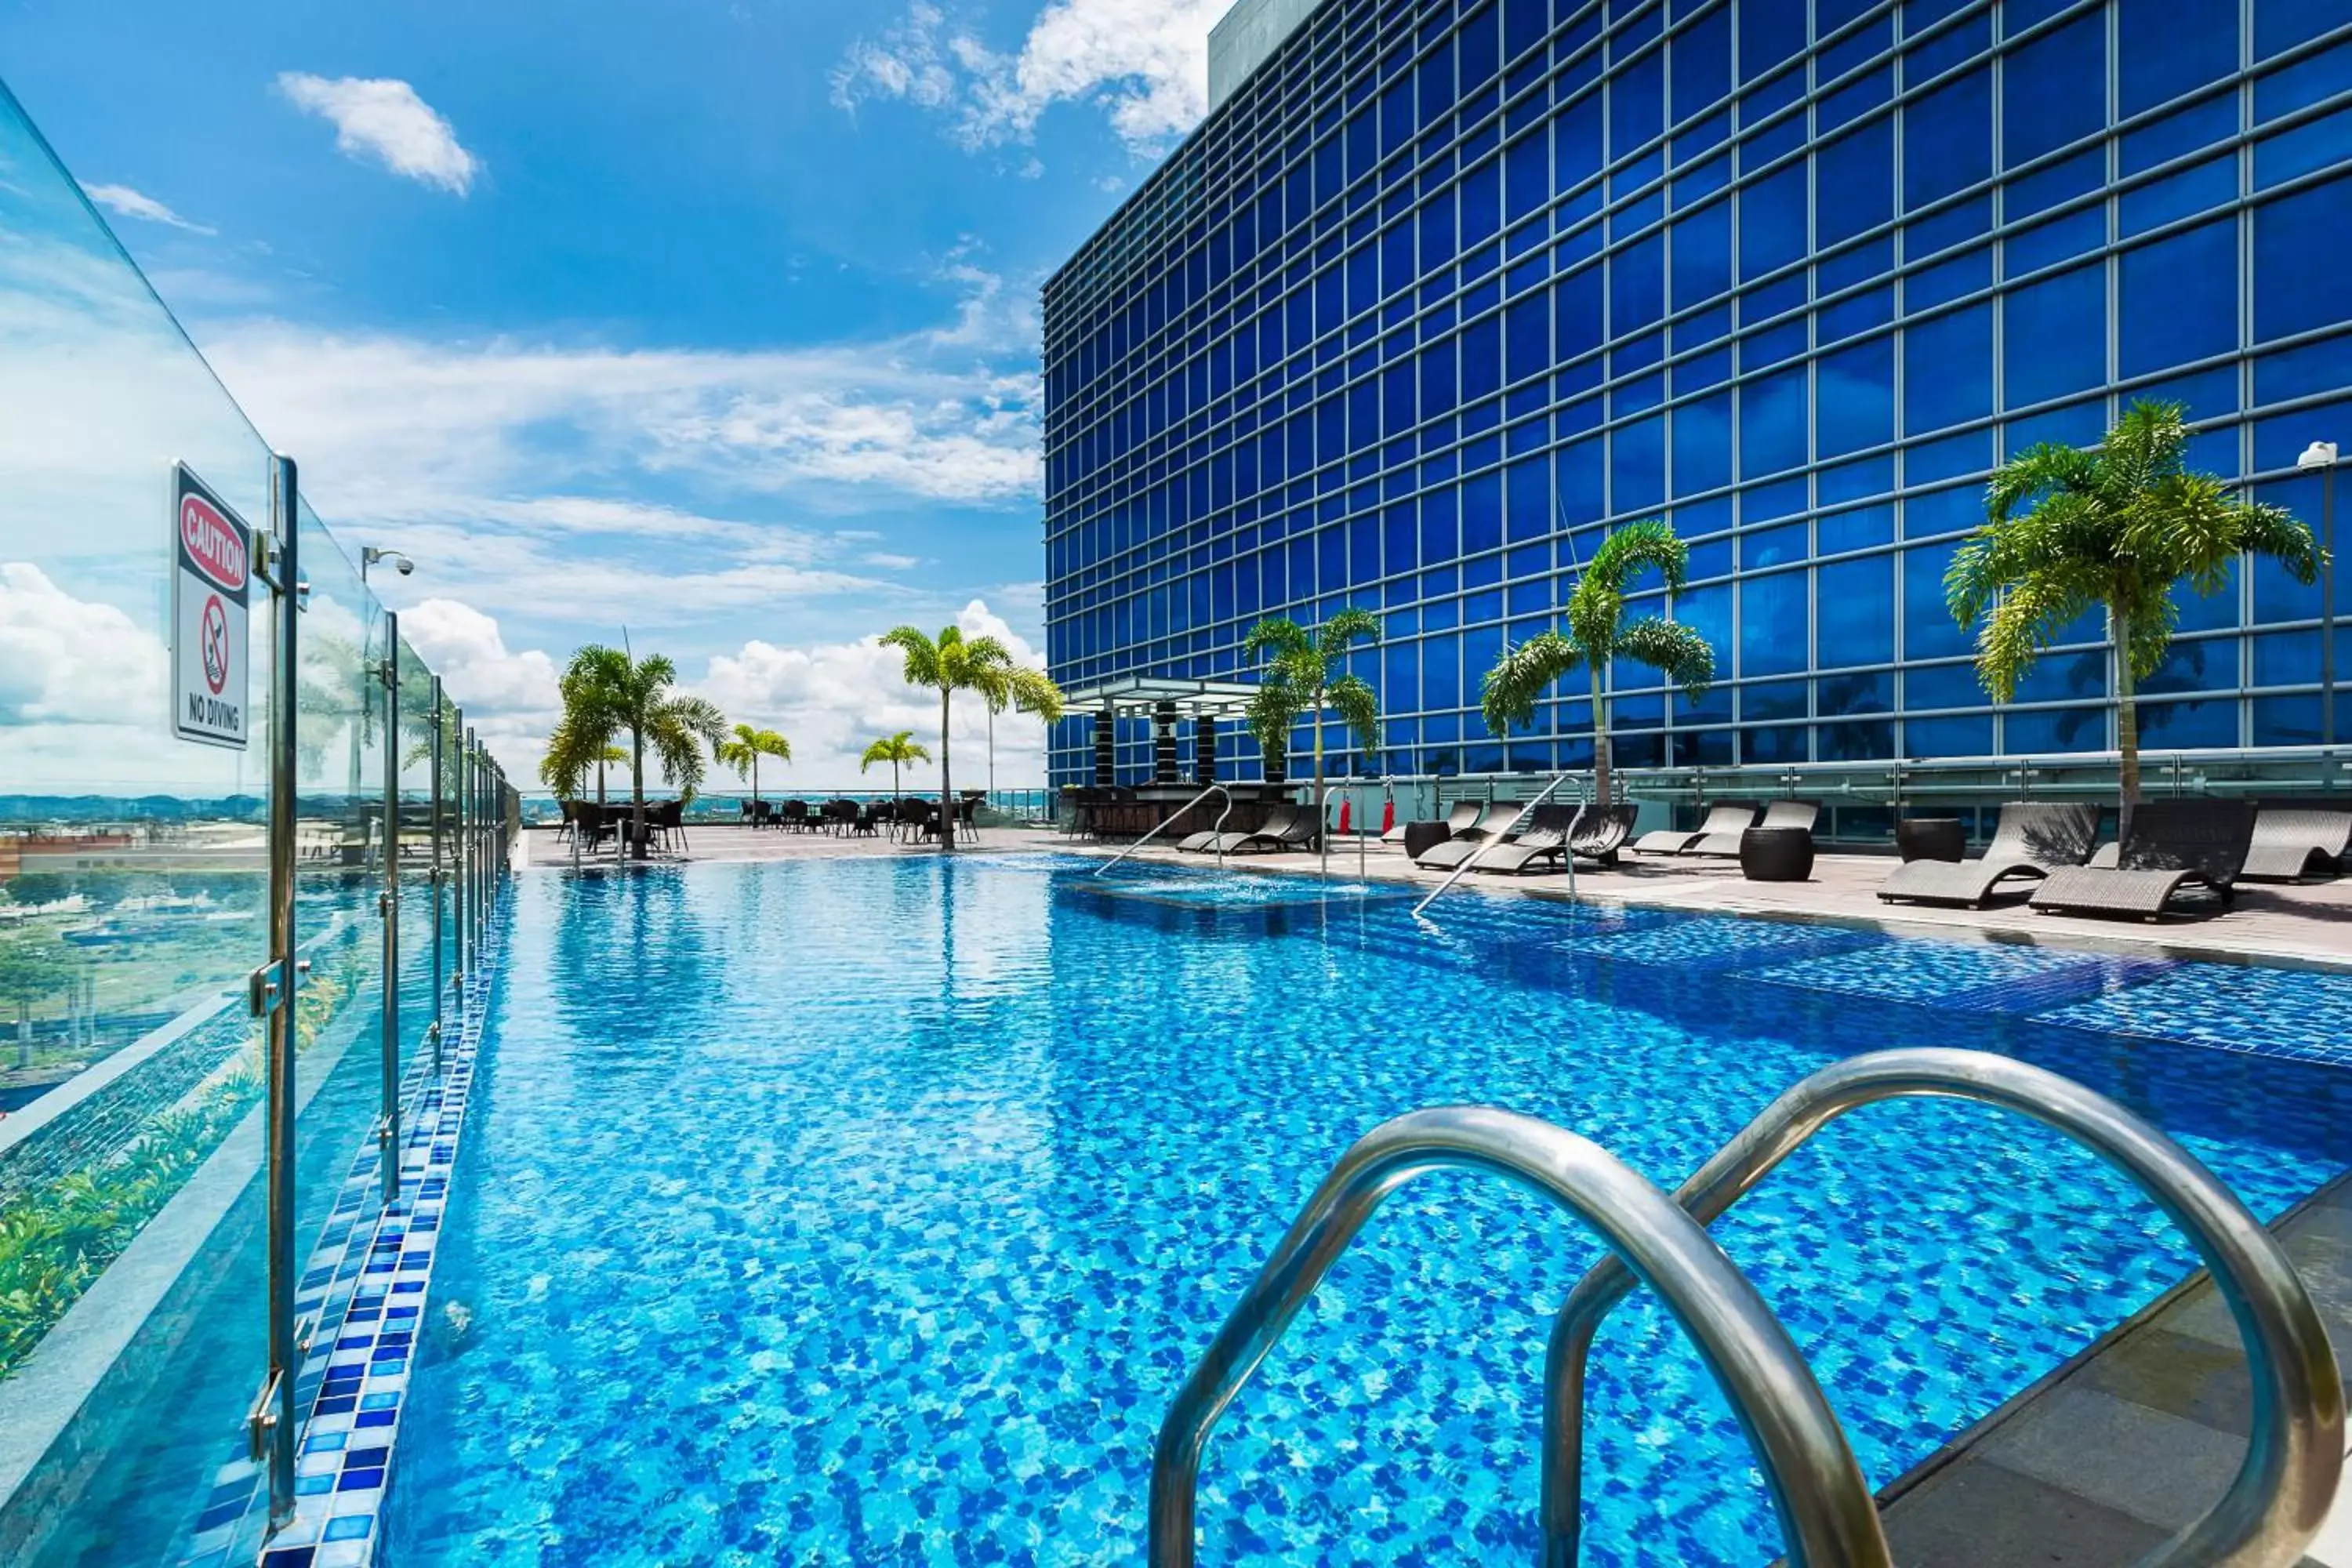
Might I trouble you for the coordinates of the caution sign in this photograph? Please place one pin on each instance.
(214, 568)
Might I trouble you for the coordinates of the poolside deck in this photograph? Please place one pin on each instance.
(2290, 923)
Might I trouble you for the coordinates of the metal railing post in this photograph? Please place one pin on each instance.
(435, 882)
(271, 1424)
(461, 853)
(388, 907)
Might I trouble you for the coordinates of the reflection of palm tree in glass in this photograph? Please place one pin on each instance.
(334, 692)
(34, 967)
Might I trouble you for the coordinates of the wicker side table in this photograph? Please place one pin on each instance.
(1420, 837)
(1776, 854)
(1931, 838)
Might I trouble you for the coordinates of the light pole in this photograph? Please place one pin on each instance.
(2321, 456)
(369, 556)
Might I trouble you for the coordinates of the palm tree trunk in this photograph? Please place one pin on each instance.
(1321, 825)
(600, 781)
(2127, 725)
(755, 786)
(637, 791)
(1599, 741)
(947, 794)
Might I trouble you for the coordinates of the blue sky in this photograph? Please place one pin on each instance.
(715, 318)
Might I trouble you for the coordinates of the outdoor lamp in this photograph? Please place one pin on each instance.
(2320, 458)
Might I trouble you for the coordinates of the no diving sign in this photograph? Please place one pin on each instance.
(214, 566)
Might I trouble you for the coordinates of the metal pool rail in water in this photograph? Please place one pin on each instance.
(1827, 1515)
(2295, 1454)
(1219, 829)
(1568, 853)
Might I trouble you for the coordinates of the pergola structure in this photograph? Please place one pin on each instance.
(1166, 700)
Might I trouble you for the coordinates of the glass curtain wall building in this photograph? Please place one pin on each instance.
(1440, 292)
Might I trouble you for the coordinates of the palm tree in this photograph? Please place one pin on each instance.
(2068, 529)
(743, 754)
(607, 693)
(898, 751)
(1301, 677)
(34, 966)
(1597, 632)
(952, 663)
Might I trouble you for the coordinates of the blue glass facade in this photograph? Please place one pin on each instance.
(1447, 290)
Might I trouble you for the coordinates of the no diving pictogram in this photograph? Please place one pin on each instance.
(216, 644)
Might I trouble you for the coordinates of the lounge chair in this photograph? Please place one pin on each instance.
(1602, 830)
(1279, 821)
(1298, 833)
(2032, 840)
(2175, 846)
(1543, 836)
(1500, 821)
(1461, 822)
(2290, 845)
(1732, 820)
(1797, 813)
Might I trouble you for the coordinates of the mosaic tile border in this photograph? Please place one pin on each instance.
(366, 1290)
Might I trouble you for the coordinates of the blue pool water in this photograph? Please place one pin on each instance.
(870, 1211)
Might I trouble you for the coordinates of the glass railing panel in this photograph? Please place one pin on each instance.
(133, 876)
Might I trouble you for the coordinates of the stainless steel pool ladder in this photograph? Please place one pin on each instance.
(2282, 1492)
(2273, 1509)
(1219, 829)
(1824, 1504)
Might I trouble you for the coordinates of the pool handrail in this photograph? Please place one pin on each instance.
(1323, 834)
(1826, 1511)
(2281, 1494)
(1585, 798)
(1219, 829)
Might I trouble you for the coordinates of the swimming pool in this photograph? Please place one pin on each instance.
(864, 1211)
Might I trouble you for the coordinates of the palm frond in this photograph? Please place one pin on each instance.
(1274, 635)
(1352, 700)
(1509, 693)
(1674, 649)
(1349, 627)
(922, 663)
(1033, 692)
(1635, 548)
(2027, 619)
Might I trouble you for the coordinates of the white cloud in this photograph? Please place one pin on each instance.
(64, 660)
(129, 203)
(1144, 62)
(384, 118)
(465, 649)
(831, 700)
(410, 427)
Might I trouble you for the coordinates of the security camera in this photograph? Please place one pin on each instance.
(406, 565)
